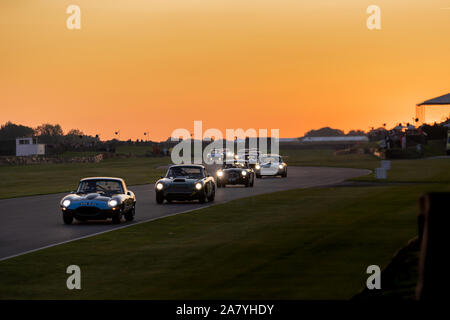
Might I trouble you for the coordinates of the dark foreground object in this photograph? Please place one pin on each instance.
(418, 271)
(434, 220)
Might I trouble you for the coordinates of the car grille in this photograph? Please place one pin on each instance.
(233, 175)
(179, 188)
(87, 210)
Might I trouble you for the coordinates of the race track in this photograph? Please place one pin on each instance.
(32, 223)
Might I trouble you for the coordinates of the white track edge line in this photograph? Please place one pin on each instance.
(105, 231)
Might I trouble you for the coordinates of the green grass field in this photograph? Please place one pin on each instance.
(300, 244)
(400, 277)
(16, 181)
(134, 150)
(326, 158)
(415, 171)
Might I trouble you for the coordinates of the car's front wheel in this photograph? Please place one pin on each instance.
(67, 218)
(129, 216)
(202, 197)
(212, 195)
(159, 198)
(116, 219)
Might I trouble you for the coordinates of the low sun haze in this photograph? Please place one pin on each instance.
(154, 66)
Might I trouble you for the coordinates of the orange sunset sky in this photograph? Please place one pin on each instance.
(158, 65)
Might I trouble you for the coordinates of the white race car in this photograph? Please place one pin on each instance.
(271, 165)
(215, 156)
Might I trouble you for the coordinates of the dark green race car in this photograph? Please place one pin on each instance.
(235, 173)
(185, 183)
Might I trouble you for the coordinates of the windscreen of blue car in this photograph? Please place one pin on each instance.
(101, 186)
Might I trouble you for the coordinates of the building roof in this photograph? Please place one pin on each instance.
(445, 99)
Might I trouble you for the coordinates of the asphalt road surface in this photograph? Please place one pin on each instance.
(32, 223)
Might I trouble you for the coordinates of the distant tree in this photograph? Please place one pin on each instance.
(49, 133)
(51, 130)
(356, 133)
(75, 132)
(11, 131)
(325, 132)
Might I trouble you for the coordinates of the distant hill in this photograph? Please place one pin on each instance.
(325, 132)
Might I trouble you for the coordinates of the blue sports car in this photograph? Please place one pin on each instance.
(99, 199)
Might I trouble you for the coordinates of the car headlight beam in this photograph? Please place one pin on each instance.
(198, 186)
(66, 203)
(159, 186)
(220, 173)
(112, 203)
(257, 167)
(244, 173)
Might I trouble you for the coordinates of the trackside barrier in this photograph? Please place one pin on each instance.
(434, 224)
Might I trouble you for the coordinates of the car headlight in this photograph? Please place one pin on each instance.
(220, 173)
(257, 167)
(236, 157)
(112, 203)
(280, 166)
(159, 186)
(244, 173)
(66, 203)
(198, 186)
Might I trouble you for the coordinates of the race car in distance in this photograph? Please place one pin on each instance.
(99, 198)
(220, 155)
(185, 182)
(271, 165)
(250, 155)
(216, 156)
(236, 172)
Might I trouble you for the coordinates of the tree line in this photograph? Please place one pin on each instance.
(47, 133)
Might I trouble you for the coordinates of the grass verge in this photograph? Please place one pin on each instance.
(17, 181)
(415, 171)
(299, 244)
(399, 278)
(327, 158)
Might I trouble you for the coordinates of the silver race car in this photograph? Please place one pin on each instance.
(271, 165)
